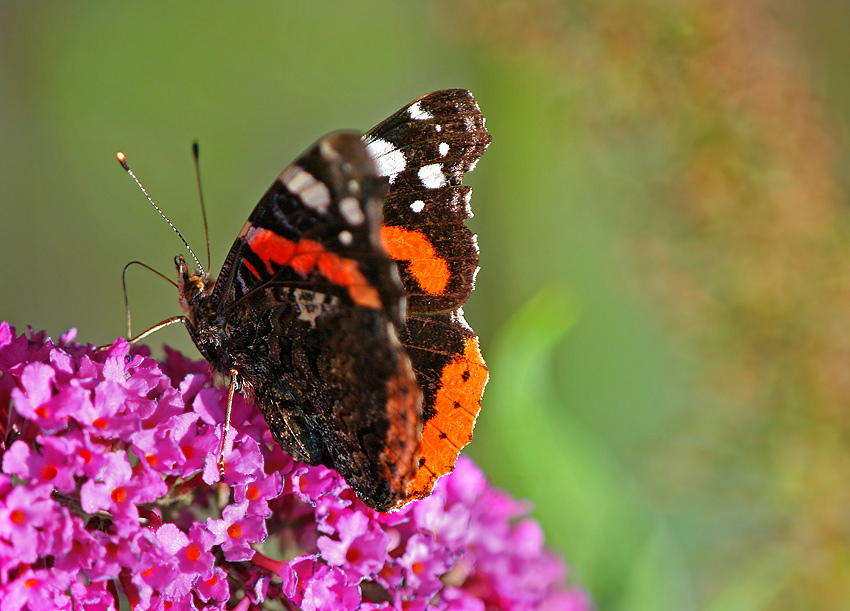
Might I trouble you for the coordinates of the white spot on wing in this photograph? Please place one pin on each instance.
(317, 196)
(345, 238)
(388, 159)
(467, 206)
(350, 209)
(417, 206)
(444, 148)
(458, 317)
(297, 178)
(313, 193)
(417, 113)
(438, 127)
(432, 176)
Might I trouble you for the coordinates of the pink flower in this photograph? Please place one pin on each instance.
(236, 531)
(360, 546)
(25, 518)
(110, 490)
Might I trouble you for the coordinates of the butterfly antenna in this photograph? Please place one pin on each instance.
(124, 286)
(196, 157)
(122, 159)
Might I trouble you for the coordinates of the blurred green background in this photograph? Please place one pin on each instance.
(664, 297)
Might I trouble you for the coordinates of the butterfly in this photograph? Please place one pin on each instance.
(338, 310)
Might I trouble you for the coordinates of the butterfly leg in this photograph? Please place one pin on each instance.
(234, 384)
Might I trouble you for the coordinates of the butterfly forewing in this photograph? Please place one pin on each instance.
(306, 310)
(424, 150)
(430, 143)
(317, 223)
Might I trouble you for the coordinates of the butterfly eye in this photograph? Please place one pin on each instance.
(197, 288)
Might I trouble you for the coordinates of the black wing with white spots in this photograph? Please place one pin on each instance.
(424, 150)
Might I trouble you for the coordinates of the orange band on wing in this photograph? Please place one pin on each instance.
(250, 267)
(271, 247)
(457, 405)
(431, 272)
(306, 255)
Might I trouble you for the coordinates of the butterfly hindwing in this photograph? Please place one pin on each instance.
(452, 375)
(334, 384)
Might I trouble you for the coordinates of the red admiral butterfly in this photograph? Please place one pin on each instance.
(338, 308)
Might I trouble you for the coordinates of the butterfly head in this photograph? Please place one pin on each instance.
(194, 286)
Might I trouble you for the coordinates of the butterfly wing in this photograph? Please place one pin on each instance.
(424, 150)
(311, 304)
(317, 223)
(334, 384)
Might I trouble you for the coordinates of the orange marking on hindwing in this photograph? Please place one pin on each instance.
(430, 270)
(457, 405)
(306, 255)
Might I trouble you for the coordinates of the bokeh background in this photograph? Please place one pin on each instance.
(664, 297)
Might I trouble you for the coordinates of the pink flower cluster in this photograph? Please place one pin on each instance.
(110, 492)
